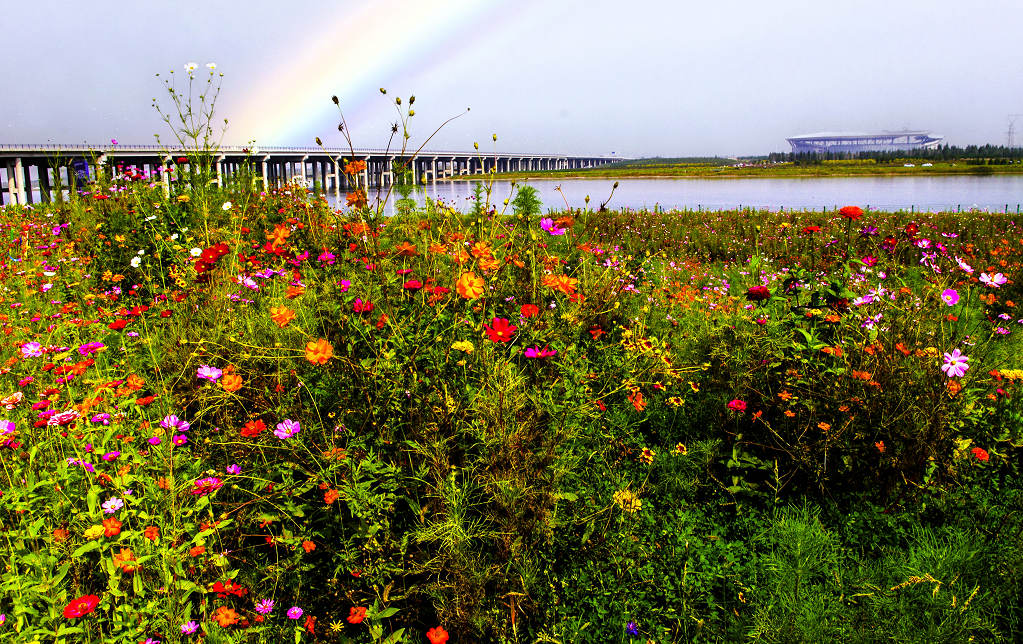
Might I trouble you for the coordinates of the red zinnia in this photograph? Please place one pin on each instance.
(437, 635)
(851, 212)
(500, 330)
(737, 405)
(118, 325)
(980, 453)
(529, 310)
(81, 606)
(356, 614)
(758, 294)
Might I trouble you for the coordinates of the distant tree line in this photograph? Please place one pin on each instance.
(971, 154)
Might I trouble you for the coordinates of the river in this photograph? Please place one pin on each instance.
(920, 193)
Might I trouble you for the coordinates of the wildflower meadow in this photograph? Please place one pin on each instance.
(241, 414)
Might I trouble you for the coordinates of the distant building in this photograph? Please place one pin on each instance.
(853, 143)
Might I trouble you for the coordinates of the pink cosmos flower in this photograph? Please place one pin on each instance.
(287, 428)
(950, 296)
(206, 372)
(294, 612)
(994, 281)
(956, 364)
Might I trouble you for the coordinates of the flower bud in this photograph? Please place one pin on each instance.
(318, 141)
(334, 98)
(411, 99)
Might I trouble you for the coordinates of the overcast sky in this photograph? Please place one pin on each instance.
(639, 78)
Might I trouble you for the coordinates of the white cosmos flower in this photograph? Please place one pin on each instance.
(227, 205)
(195, 252)
(211, 66)
(191, 67)
(136, 261)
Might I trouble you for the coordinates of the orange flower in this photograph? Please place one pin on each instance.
(356, 199)
(308, 546)
(356, 614)
(319, 352)
(437, 635)
(282, 315)
(111, 527)
(225, 617)
(196, 551)
(125, 560)
(562, 283)
(330, 496)
(231, 382)
(636, 398)
(60, 535)
(469, 286)
(279, 236)
(437, 248)
(152, 533)
(355, 167)
(880, 446)
(405, 249)
(294, 291)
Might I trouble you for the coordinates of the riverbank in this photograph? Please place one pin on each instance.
(763, 171)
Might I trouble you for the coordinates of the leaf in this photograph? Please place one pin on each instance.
(395, 636)
(384, 614)
(88, 546)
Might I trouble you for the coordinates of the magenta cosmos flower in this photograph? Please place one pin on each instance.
(956, 364)
(950, 296)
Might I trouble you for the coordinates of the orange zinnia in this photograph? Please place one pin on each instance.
(152, 533)
(319, 352)
(469, 286)
(355, 167)
(111, 527)
(281, 315)
(231, 382)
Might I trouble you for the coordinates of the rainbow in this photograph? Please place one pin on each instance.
(359, 51)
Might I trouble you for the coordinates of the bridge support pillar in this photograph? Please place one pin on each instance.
(433, 170)
(19, 181)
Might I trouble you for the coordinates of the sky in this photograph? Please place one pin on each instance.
(584, 77)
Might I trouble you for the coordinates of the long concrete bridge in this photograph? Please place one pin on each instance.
(42, 168)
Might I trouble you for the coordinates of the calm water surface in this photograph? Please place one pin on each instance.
(992, 193)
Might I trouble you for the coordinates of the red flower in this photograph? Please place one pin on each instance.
(437, 635)
(356, 614)
(737, 405)
(980, 454)
(758, 294)
(851, 212)
(81, 606)
(118, 325)
(500, 331)
(529, 310)
(253, 428)
(811, 229)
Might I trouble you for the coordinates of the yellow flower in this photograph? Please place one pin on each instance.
(94, 532)
(628, 501)
(183, 198)
(462, 345)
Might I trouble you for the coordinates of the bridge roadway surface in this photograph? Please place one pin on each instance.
(25, 169)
